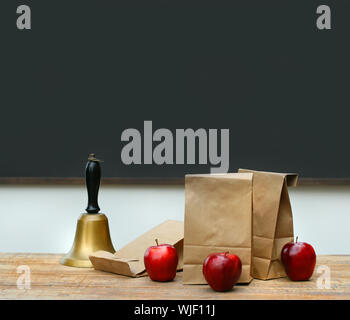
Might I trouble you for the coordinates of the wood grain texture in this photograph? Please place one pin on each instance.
(50, 280)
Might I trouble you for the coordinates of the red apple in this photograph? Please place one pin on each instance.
(161, 262)
(299, 260)
(222, 270)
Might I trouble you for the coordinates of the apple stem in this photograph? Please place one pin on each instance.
(226, 253)
(157, 242)
(296, 240)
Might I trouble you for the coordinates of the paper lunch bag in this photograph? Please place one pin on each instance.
(272, 222)
(218, 218)
(128, 261)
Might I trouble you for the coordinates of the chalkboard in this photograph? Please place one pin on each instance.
(88, 70)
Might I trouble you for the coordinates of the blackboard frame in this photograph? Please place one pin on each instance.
(287, 65)
(148, 181)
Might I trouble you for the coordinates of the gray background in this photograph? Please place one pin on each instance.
(90, 69)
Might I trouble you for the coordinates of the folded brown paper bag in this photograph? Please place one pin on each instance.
(272, 221)
(218, 218)
(128, 260)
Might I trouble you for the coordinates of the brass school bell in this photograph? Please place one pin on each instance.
(92, 232)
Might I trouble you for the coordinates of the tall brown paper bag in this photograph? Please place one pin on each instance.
(272, 221)
(218, 218)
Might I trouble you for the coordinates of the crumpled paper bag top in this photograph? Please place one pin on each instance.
(129, 261)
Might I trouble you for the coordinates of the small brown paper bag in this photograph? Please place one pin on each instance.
(128, 260)
(272, 222)
(218, 218)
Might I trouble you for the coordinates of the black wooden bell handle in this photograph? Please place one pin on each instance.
(93, 177)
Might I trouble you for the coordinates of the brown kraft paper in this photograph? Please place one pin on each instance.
(272, 222)
(128, 260)
(218, 218)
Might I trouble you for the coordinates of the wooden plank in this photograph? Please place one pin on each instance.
(50, 280)
(147, 180)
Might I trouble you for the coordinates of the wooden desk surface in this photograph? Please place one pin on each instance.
(50, 280)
